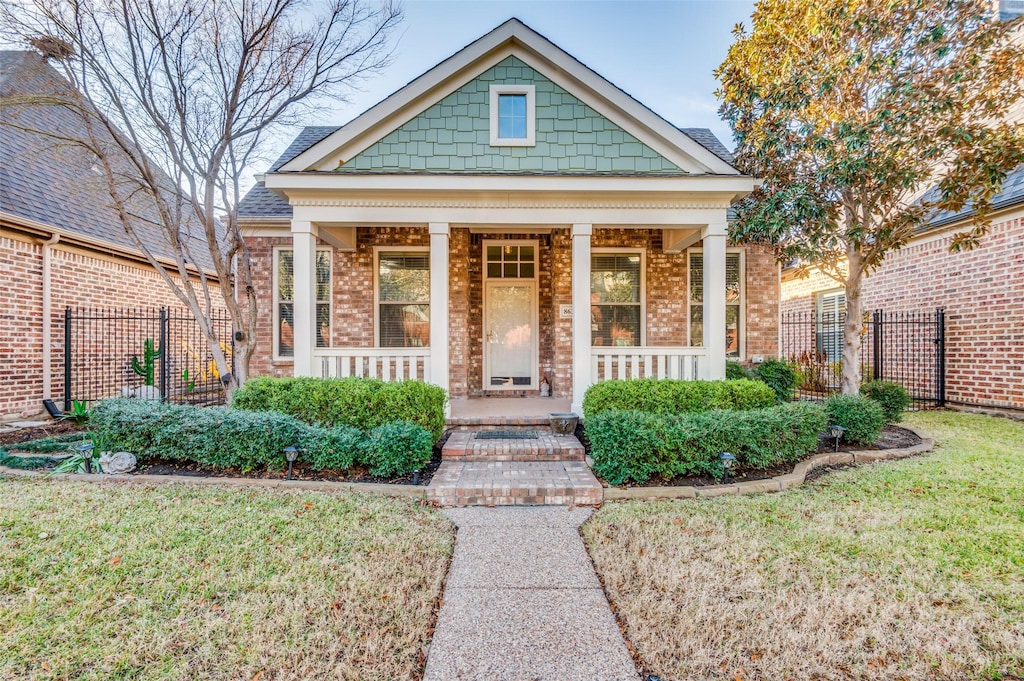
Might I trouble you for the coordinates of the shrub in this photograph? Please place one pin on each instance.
(893, 398)
(398, 448)
(780, 376)
(336, 448)
(637, 445)
(363, 403)
(219, 437)
(668, 396)
(862, 418)
(628, 445)
(734, 371)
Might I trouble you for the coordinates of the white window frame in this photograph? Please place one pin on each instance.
(837, 344)
(742, 302)
(377, 250)
(531, 115)
(275, 336)
(611, 250)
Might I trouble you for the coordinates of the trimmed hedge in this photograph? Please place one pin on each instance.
(636, 446)
(780, 376)
(398, 447)
(734, 371)
(224, 437)
(893, 398)
(363, 403)
(862, 418)
(668, 396)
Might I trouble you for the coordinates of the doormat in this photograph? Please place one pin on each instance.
(506, 435)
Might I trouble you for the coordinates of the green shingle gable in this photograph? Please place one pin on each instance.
(454, 136)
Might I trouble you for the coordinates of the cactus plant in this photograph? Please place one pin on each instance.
(146, 368)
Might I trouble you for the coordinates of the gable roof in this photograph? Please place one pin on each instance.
(45, 180)
(512, 38)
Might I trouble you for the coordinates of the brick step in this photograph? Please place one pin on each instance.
(514, 483)
(460, 423)
(464, 445)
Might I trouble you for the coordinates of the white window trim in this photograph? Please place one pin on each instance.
(611, 250)
(742, 302)
(377, 250)
(531, 115)
(275, 336)
(819, 296)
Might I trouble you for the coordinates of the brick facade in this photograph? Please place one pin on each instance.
(79, 278)
(982, 291)
(666, 279)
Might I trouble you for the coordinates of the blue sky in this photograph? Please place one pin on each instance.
(661, 52)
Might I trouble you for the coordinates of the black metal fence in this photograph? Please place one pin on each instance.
(905, 347)
(149, 352)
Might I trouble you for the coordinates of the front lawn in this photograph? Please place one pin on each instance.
(900, 570)
(184, 582)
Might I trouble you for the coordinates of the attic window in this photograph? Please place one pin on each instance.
(513, 116)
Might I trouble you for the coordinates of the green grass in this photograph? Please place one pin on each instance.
(183, 582)
(898, 570)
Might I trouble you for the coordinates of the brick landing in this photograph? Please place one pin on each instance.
(465, 446)
(514, 483)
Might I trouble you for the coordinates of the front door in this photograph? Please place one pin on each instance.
(510, 334)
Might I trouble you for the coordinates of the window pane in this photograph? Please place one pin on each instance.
(494, 270)
(323, 276)
(285, 335)
(323, 325)
(284, 275)
(696, 326)
(732, 277)
(404, 326)
(526, 254)
(506, 105)
(732, 330)
(615, 325)
(512, 116)
(526, 270)
(615, 279)
(511, 253)
(505, 128)
(404, 277)
(696, 278)
(493, 253)
(518, 128)
(511, 270)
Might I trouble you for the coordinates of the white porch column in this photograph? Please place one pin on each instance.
(439, 304)
(581, 341)
(714, 236)
(304, 296)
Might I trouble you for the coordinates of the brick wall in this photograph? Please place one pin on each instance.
(666, 281)
(983, 293)
(78, 279)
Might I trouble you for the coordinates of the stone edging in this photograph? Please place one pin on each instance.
(779, 483)
(404, 491)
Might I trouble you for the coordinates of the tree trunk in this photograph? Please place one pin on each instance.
(854, 323)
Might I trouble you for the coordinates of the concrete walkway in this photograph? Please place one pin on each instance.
(522, 602)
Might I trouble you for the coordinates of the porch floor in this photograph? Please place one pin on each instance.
(508, 407)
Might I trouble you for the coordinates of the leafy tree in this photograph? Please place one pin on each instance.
(178, 98)
(849, 109)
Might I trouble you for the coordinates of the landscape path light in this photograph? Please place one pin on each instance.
(728, 461)
(837, 433)
(85, 451)
(291, 453)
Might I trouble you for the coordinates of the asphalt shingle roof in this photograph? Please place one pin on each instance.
(1012, 193)
(57, 182)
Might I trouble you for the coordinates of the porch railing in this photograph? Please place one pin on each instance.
(608, 363)
(388, 364)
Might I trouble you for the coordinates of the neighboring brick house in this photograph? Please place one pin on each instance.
(509, 223)
(61, 241)
(982, 291)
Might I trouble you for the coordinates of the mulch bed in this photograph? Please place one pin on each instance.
(50, 429)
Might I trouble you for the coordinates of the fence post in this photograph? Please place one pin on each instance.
(67, 359)
(877, 360)
(164, 382)
(940, 351)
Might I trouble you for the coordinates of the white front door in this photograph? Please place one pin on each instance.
(510, 334)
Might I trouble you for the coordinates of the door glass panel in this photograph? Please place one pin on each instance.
(509, 336)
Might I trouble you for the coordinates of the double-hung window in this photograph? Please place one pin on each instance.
(830, 316)
(513, 116)
(616, 298)
(734, 294)
(403, 298)
(284, 300)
